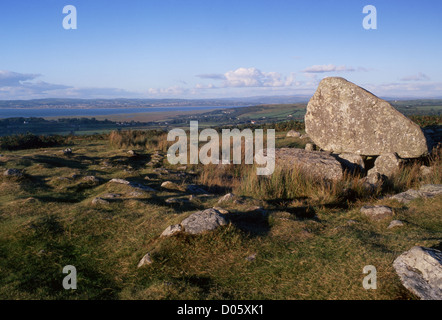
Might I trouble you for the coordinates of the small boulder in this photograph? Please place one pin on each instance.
(67, 151)
(377, 212)
(226, 198)
(146, 260)
(293, 134)
(170, 185)
(99, 200)
(13, 173)
(202, 221)
(395, 223)
(420, 271)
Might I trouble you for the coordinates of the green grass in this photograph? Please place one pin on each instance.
(304, 246)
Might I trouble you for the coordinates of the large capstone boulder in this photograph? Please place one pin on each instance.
(343, 117)
(316, 163)
(420, 271)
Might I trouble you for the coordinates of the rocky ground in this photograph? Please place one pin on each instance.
(136, 227)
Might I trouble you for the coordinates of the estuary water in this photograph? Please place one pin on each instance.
(77, 112)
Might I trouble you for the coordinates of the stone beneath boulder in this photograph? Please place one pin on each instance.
(420, 271)
(202, 221)
(343, 117)
(387, 164)
(309, 147)
(352, 162)
(293, 134)
(426, 191)
(377, 212)
(191, 188)
(317, 163)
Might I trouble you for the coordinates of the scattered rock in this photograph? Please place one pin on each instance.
(426, 191)
(91, 179)
(252, 257)
(377, 212)
(293, 134)
(202, 221)
(395, 223)
(111, 195)
(171, 230)
(170, 185)
(99, 200)
(146, 260)
(221, 210)
(132, 153)
(420, 271)
(343, 117)
(177, 200)
(67, 151)
(227, 197)
(304, 136)
(13, 173)
(374, 178)
(120, 181)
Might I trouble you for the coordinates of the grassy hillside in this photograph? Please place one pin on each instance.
(311, 243)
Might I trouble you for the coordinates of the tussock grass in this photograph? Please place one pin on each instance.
(304, 246)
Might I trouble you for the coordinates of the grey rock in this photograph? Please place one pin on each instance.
(99, 200)
(170, 185)
(352, 162)
(377, 212)
(146, 260)
(120, 181)
(92, 179)
(13, 173)
(317, 163)
(67, 151)
(177, 200)
(171, 230)
(425, 191)
(226, 198)
(387, 164)
(202, 221)
(293, 134)
(343, 117)
(395, 223)
(309, 147)
(420, 271)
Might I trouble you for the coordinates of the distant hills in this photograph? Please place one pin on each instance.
(146, 103)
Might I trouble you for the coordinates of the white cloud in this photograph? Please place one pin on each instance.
(416, 77)
(330, 68)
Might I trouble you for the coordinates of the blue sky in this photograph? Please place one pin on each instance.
(217, 48)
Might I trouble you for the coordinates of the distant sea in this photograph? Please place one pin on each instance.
(76, 112)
